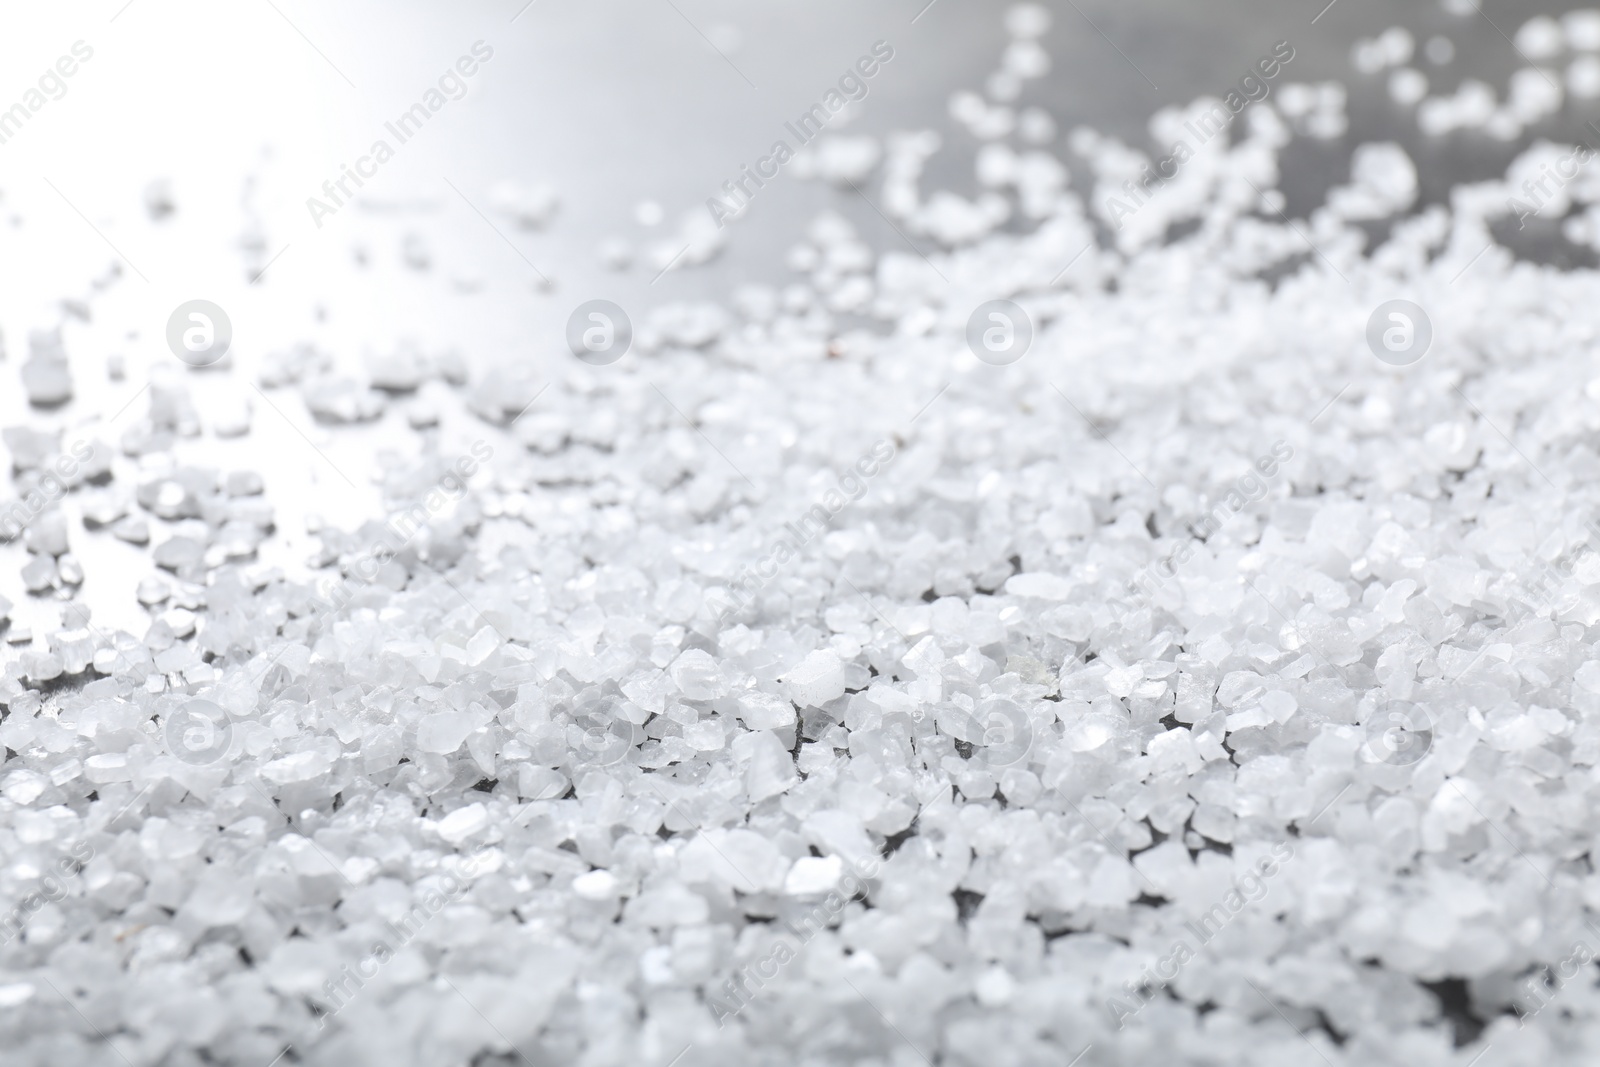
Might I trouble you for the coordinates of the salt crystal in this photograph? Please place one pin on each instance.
(178, 554)
(1017, 657)
(696, 675)
(1039, 586)
(132, 529)
(598, 884)
(30, 448)
(219, 898)
(763, 711)
(305, 766)
(1582, 30)
(1539, 38)
(1533, 93)
(706, 736)
(1027, 20)
(464, 823)
(15, 994)
(1408, 86)
(769, 769)
(994, 988)
(1583, 77)
(443, 732)
(46, 376)
(39, 574)
(813, 876)
(817, 679)
(529, 206)
(107, 767)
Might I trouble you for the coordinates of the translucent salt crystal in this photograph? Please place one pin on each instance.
(422, 415)
(1583, 77)
(817, 679)
(305, 766)
(230, 416)
(299, 967)
(764, 711)
(75, 649)
(178, 554)
(1368, 56)
(540, 783)
(180, 621)
(1174, 749)
(706, 736)
(1539, 38)
(39, 574)
(994, 988)
(598, 884)
(1397, 44)
(243, 483)
(840, 833)
(529, 206)
(1039, 586)
(1086, 733)
(1026, 59)
(15, 994)
(43, 667)
(1326, 125)
(47, 533)
(813, 876)
(132, 529)
(291, 365)
(107, 767)
(740, 859)
(1027, 20)
(1279, 704)
(443, 732)
(463, 823)
(769, 769)
(1036, 127)
(219, 898)
(1244, 719)
(1003, 86)
(1407, 86)
(23, 786)
(1532, 94)
(481, 645)
(1582, 30)
(47, 382)
(697, 676)
(1588, 675)
(1383, 181)
(343, 400)
(1474, 102)
(843, 159)
(399, 369)
(30, 448)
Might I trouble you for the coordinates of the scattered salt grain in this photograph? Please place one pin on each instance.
(529, 206)
(464, 823)
(816, 679)
(1539, 38)
(1583, 77)
(813, 876)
